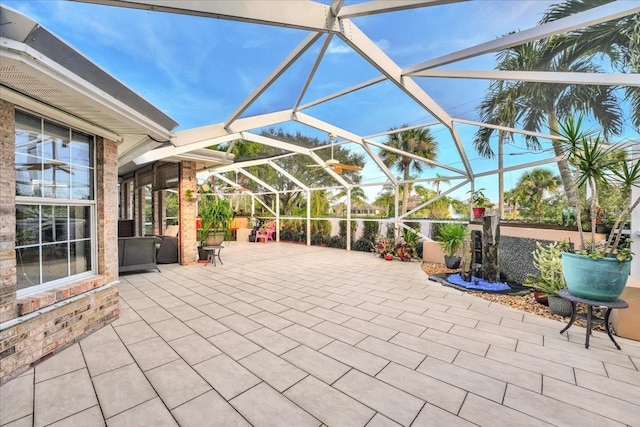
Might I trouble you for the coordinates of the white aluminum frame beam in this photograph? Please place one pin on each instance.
(258, 180)
(346, 91)
(290, 177)
(509, 129)
(597, 15)
(382, 6)
(273, 76)
(520, 166)
(208, 132)
(414, 156)
(301, 14)
(164, 152)
(439, 196)
(313, 70)
(605, 79)
(371, 52)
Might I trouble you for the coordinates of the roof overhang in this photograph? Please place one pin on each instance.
(41, 72)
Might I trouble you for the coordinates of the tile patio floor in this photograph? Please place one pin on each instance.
(289, 335)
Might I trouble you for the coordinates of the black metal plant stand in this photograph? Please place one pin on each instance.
(590, 318)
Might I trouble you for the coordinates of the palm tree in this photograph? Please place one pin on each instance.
(440, 180)
(437, 209)
(386, 200)
(619, 39)
(535, 105)
(416, 141)
(533, 184)
(319, 202)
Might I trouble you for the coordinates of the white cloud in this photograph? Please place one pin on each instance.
(335, 48)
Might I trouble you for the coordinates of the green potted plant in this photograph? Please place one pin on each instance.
(384, 247)
(479, 202)
(451, 239)
(548, 261)
(215, 214)
(599, 270)
(406, 249)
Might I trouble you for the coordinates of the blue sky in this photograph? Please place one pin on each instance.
(198, 70)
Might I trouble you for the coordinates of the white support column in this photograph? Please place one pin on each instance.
(396, 211)
(635, 219)
(349, 218)
(277, 216)
(308, 217)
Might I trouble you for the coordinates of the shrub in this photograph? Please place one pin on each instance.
(370, 230)
(317, 239)
(362, 245)
(321, 227)
(343, 228)
(337, 242)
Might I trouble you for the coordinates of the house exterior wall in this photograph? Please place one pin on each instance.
(31, 328)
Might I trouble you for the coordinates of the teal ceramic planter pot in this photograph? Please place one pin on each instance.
(595, 279)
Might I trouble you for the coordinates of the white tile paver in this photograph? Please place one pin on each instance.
(264, 406)
(392, 402)
(228, 377)
(122, 389)
(176, 383)
(278, 373)
(328, 404)
(149, 413)
(152, 352)
(16, 399)
(317, 364)
(209, 409)
(49, 407)
(336, 339)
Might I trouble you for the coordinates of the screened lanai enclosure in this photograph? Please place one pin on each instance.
(310, 96)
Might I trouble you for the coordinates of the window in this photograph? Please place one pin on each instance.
(55, 206)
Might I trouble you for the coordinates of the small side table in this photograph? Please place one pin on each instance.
(589, 316)
(212, 253)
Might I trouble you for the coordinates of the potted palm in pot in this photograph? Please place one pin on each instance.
(215, 214)
(451, 239)
(479, 202)
(599, 270)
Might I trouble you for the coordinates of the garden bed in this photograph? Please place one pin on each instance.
(524, 302)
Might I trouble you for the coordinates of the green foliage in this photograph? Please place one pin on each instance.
(418, 141)
(370, 230)
(362, 245)
(452, 237)
(343, 228)
(384, 245)
(317, 239)
(547, 259)
(321, 227)
(297, 166)
(410, 238)
(477, 198)
(215, 214)
(598, 165)
(337, 242)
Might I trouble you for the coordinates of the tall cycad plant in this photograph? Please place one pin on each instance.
(597, 164)
(535, 105)
(415, 141)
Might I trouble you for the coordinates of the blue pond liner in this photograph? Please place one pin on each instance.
(477, 283)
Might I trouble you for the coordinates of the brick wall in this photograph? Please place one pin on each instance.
(8, 280)
(53, 328)
(33, 327)
(187, 213)
(107, 207)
